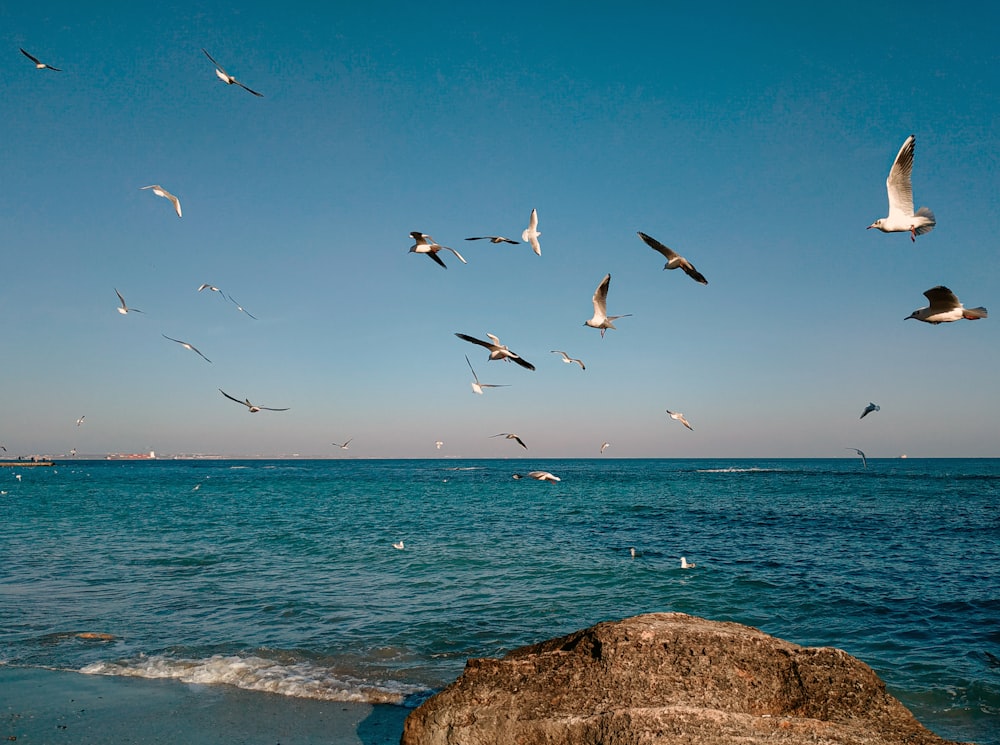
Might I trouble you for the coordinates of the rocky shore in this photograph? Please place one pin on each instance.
(666, 678)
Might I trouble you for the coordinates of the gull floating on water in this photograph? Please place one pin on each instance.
(605, 446)
(161, 192)
(674, 259)
(477, 387)
(426, 245)
(945, 308)
(632, 551)
(511, 436)
(124, 308)
(530, 233)
(601, 319)
(494, 239)
(39, 64)
(399, 545)
(901, 218)
(864, 460)
(342, 446)
(246, 402)
(498, 351)
(539, 476)
(685, 564)
(225, 77)
(187, 346)
(869, 409)
(569, 360)
(680, 418)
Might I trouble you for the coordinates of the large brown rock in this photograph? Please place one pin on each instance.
(666, 678)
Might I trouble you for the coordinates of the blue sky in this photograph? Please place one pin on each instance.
(755, 142)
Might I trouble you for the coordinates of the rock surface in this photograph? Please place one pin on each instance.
(666, 678)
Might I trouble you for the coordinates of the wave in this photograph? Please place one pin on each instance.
(297, 680)
(740, 470)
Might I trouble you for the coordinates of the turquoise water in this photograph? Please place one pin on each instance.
(281, 576)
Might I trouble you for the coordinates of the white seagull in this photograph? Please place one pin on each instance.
(241, 308)
(246, 402)
(569, 360)
(186, 346)
(225, 77)
(601, 319)
(680, 418)
(213, 288)
(674, 259)
(399, 545)
(161, 192)
(944, 308)
(539, 476)
(477, 387)
(498, 351)
(605, 446)
(80, 420)
(511, 436)
(39, 64)
(530, 233)
(124, 308)
(438, 444)
(864, 460)
(341, 446)
(901, 218)
(494, 239)
(869, 409)
(426, 245)
(685, 564)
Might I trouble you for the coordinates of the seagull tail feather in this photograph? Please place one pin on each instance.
(925, 212)
(971, 314)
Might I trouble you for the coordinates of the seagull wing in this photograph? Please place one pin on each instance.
(437, 259)
(520, 442)
(521, 361)
(231, 398)
(898, 183)
(456, 254)
(268, 408)
(124, 307)
(693, 273)
(941, 299)
(471, 368)
(474, 340)
(31, 57)
(259, 95)
(601, 299)
(219, 67)
(654, 244)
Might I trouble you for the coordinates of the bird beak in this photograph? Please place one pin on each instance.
(870, 226)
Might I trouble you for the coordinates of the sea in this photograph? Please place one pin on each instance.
(286, 577)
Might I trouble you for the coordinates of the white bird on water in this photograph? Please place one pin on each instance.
(498, 351)
(680, 418)
(869, 409)
(945, 308)
(674, 259)
(124, 308)
(427, 245)
(246, 402)
(399, 545)
(39, 64)
(685, 564)
(601, 320)
(901, 218)
(161, 192)
(530, 234)
(539, 476)
(569, 360)
(228, 79)
(477, 387)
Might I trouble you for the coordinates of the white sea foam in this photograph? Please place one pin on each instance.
(738, 470)
(298, 680)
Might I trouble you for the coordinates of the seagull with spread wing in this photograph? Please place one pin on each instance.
(228, 79)
(477, 387)
(901, 217)
(945, 308)
(252, 407)
(601, 320)
(569, 360)
(161, 192)
(674, 259)
(123, 309)
(187, 346)
(427, 245)
(530, 234)
(498, 351)
(38, 63)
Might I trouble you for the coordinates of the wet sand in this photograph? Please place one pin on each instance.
(47, 706)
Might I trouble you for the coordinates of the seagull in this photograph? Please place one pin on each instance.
(241, 308)
(213, 288)
(125, 309)
(944, 308)
(601, 319)
(477, 387)
(605, 446)
(225, 77)
(685, 564)
(869, 409)
(511, 436)
(80, 420)
(674, 259)
(252, 407)
(864, 460)
(426, 245)
(539, 476)
(399, 545)
(161, 192)
(680, 418)
(530, 233)
(569, 360)
(494, 239)
(901, 217)
(438, 444)
(344, 446)
(498, 351)
(632, 551)
(39, 64)
(186, 346)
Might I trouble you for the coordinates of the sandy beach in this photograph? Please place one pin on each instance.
(46, 706)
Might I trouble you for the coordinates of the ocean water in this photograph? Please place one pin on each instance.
(281, 576)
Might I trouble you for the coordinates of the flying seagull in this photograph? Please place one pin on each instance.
(530, 233)
(426, 245)
(539, 476)
(161, 192)
(869, 409)
(225, 77)
(39, 64)
(241, 308)
(252, 407)
(342, 447)
(494, 239)
(680, 418)
(124, 308)
(901, 218)
(605, 446)
(80, 420)
(438, 444)
(674, 259)
(944, 308)
(511, 436)
(186, 346)
(213, 288)
(864, 460)
(477, 387)
(498, 351)
(569, 360)
(601, 319)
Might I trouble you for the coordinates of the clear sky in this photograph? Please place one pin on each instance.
(754, 140)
